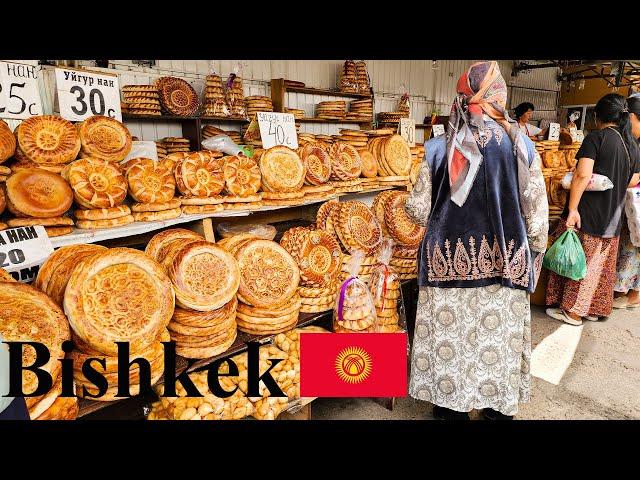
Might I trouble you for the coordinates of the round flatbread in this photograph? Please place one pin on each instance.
(201, 209)
(48, 139)
(156, 207)
(119, 295)
(58, 231)
(281, 169)
(103, 213)
(46, 222)
(105, 138)
(177, 96)
(159, 243)
(149, 181)
(96, 183)
(38, 193)
(157, 216)
(199, 175)
(241, 175)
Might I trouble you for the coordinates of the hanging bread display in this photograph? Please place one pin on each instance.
(48, 139)
(105, 138)
(269, 276)
(282, 170)
(28, 315)
(119, 295)
(241, 175)
(38, 193)
(177, 96)
(345, 162)
(149, 181)
(317, 163)
(7, 142)
(199, 175)
(96, 183)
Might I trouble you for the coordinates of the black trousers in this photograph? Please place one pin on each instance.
(17, 410)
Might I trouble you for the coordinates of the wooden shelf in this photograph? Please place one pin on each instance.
(225, 119)
(327, 92)
(156, 118)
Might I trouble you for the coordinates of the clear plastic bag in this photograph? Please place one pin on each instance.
(386, 290)
(354, 311)
(142, 150)
(267, 232)
(598, 183)
(566, 256)
(222, 143)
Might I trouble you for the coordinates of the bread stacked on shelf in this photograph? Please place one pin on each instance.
(257, 103)
(283, 175)
(8, 143)
(152, 185)
(99, 189)
(200, 178)
(268, 302)
(117, 295)
(346, 167)
(242, 182)
(161, 149)
(360, 110)
(176, 144)
(297, 113)
(235, 97)
(331, 110)
(38, 197)
(141, 100)
(348, 81)
(205, 279)
(362, 75)
(215, 104)
(392, 117)
(317, 165)
(28, 315)
(319, 259)
(209, 131)
(405, 259)
(555, 164)
(392, 155)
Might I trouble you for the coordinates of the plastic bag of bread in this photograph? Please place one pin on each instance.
(266, 232)
(354, 310)
(234, 94)
(598, 183)
(221, 143)
(384, 285)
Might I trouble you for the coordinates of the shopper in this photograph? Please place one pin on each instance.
(627, 289)
(485, 208)
(597, 217)
(523, 114)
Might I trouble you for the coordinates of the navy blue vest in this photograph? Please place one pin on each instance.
(484, 242)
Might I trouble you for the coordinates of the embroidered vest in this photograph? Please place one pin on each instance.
(485, 241)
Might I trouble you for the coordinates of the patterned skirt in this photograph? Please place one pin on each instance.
(593, 295)
(472, 348)
(628, 267)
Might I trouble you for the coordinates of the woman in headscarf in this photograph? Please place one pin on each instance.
(627, 289)
(597, 217)
(481, 195)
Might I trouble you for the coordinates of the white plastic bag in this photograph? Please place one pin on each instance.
(632, 211)
(141, 149)
(222, 143)
(598, 183)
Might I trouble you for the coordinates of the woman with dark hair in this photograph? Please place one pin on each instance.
(523, 114)
(480, 193)
(597, 217)
(627, 289)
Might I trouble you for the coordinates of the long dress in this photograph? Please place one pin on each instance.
(628, 266)
(472, 343)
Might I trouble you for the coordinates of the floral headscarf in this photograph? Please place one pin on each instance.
(481, 90)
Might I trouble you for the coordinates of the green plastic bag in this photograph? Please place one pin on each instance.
(566, 257)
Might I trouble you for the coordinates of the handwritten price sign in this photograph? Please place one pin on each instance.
(277, 129)
(407, 130)
(554, 131)
(19, 94)
(437, 130)
(23, 250)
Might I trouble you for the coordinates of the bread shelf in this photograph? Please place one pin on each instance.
(327, 92)
(322, 120)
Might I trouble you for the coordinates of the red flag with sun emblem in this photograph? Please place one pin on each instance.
(353, 365)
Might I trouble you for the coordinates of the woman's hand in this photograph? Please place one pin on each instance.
(573, 220)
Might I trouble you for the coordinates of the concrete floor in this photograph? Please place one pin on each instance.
(603, 381)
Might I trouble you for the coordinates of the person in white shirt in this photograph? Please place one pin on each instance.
(523, 114)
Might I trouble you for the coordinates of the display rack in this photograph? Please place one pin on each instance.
(279, 90)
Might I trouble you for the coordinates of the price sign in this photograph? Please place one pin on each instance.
(82, 94)
(554, 131)
(19, 94)
(407, 130)
(277, 129)
(23, 250)
(437, 130)
(579, 136)
(573, 131)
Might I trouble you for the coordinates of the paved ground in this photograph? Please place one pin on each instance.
(603, 381)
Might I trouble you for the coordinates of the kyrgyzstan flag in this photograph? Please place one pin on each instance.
(353, 365)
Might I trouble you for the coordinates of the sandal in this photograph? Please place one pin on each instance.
(559, 314)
